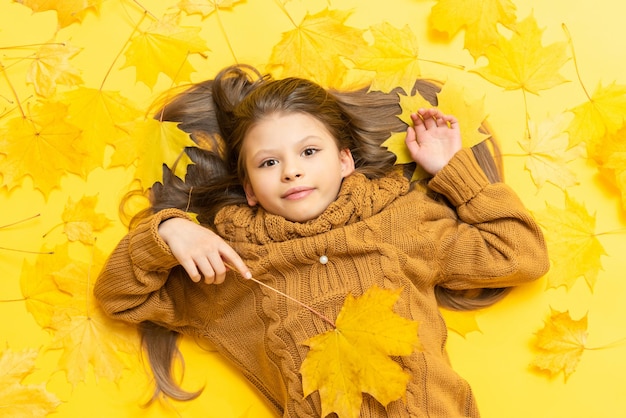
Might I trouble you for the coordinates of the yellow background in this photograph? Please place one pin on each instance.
(494, 359)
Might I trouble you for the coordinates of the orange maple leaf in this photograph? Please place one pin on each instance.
(548, 154)
(560, 344)
(164, 48)
(523, 62)
(313, 50)
(393, 57)
(480, 18)
(81, 220)
(570, 235)
(16, 398)
(41, 145)
(51, 66)
(68, 11)
(354, 357)
(604, 114)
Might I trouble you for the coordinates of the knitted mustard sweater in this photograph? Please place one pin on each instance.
(378, 232)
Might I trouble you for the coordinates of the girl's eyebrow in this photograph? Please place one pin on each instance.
(261, 153)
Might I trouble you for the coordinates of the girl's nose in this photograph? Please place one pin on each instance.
(291, 172)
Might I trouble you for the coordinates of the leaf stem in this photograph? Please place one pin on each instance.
(571, 45)
(17, 99)
(26, 251)
(610, 345)
(20, 221)
(324, 317)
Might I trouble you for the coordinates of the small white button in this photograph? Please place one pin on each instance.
(323, 259)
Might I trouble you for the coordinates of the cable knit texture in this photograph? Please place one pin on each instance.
(377, 232)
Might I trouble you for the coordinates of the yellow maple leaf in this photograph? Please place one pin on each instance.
(480, 18)
(616, 163)
(59, 295)
(158, 143)
(51, 66)
(604, 114)
(164, 48)
(560, 344)
(101, 115)
(41, 145)
(523, 62)
(206, 7)
(470, 113)
(461, 322)
(68, 11)
(81, 220)
(354, 357)
(313, 50)
(393, 57)
(18, 400)
(548, 154)
(570, 235)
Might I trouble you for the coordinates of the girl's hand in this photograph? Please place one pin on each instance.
(200, 251)
(433, 139)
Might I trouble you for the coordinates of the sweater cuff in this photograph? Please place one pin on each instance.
(461, 179)
(147, 249)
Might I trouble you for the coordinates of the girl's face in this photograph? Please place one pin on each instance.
(294, 166)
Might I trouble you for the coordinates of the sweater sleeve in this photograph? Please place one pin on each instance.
(133, 285)
(497, 243)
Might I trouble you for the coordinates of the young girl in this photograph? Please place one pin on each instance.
(298, 194)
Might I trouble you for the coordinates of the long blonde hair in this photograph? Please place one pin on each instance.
(220, 112)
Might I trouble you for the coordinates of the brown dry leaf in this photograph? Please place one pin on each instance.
(207, 7)
(18, 400)
(355, 356)
(461, 322)
(560, 344)
(523, 62)
(570, 235)
(393, 57)
(480, 18)
(548, 154)
(51, 66)
(164, 48)
(314, 49)
(68, 11)
(158, 143)
(41, 145)
(81, 220)
(604, 114)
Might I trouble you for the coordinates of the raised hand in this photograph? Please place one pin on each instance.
(200, 251)
(433, 139)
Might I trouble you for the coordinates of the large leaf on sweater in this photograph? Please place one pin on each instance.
(355, 356)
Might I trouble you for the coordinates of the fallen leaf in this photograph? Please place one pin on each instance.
(313, 50)
(393, 56)
(40, 145)
(523, 62)
(570, 235)
(604, 114)
(68, 11)
(354, 357)
(51, 66)
(206, 7)
(164, 48)
(158, 143)
(18, 400)
(548, 155)
(461, 322)
(480, 18)
(560, 344)
(81, 220)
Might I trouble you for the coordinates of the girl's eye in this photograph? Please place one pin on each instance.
(269, 163)
(309, 151)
